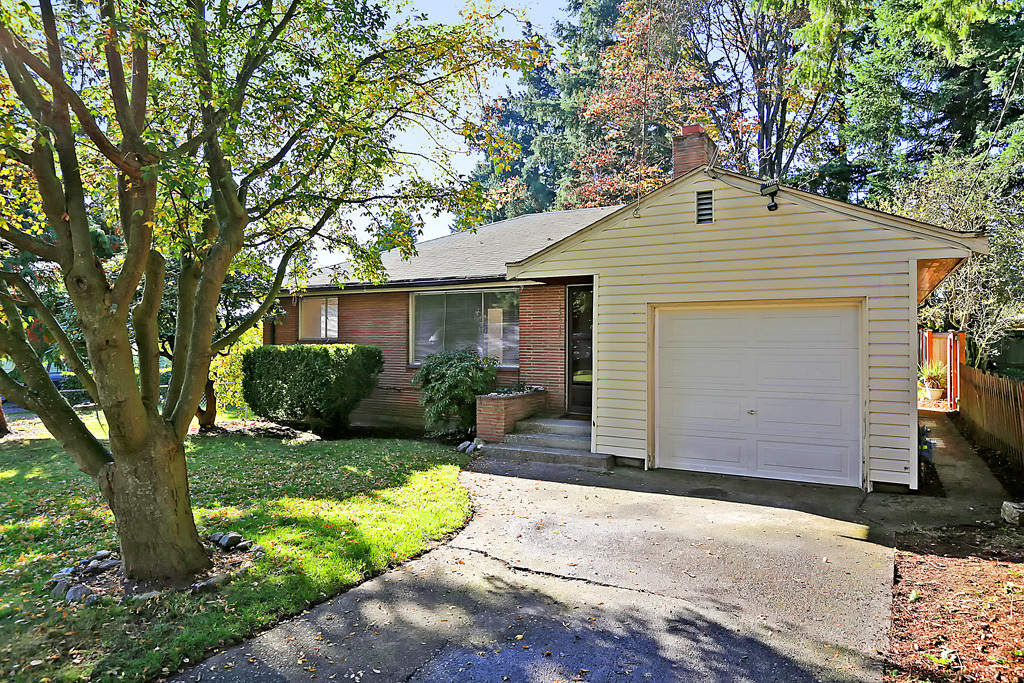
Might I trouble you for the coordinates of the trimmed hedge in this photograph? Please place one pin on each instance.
(319, 384)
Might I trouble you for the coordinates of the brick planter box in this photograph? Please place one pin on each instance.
(497, 414)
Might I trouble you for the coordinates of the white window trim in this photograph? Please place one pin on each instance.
(324, 301)
(412, 316)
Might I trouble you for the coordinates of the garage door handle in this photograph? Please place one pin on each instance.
(751, 412)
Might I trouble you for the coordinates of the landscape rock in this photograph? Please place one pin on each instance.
(78, 593)
(1013, 513)
(478, 442)
(209, 584)
(215, 537)
(244, 545)
(60, 588)
(230, 540)
(64, 572)
(258, 552)
(92, 599)
(470, 448)
(146, 596)
(108, 565)
(100, 556)
(463, 446)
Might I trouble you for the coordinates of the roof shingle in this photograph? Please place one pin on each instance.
(474, 255)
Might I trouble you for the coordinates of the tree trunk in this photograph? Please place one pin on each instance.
(4, 429)
(208, 415)
(148, 492)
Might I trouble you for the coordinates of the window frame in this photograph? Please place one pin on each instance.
(412, 362)
(324, 306)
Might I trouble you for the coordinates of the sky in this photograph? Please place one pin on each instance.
(542, 15)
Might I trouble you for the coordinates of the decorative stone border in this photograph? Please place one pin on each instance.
(497, 414)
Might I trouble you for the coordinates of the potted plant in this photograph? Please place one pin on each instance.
(933, 377)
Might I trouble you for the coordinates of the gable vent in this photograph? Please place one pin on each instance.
(706, 206)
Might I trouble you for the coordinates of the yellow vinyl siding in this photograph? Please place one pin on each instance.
(747, 254)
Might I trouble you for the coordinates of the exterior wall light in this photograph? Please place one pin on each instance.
(769, 189)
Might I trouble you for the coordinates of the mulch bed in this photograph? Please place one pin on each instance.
(958, 606)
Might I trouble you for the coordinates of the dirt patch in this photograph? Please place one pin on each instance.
(958, 606)
(258, 428)
(941, 405)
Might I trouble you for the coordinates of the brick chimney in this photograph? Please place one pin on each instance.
(691, 148)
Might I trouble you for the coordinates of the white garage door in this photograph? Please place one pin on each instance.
(760, 391)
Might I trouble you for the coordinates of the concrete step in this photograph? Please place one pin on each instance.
(558, 456)
(569, 442)
(553, 425)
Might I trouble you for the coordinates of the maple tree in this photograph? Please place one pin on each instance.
(223, 137)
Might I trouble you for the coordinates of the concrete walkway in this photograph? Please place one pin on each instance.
(972, 493)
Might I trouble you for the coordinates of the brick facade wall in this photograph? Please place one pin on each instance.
(382, 318)
(542, 321)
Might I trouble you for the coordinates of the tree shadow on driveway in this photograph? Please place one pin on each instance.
(460, 617)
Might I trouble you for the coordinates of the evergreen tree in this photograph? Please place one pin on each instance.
(546, 119)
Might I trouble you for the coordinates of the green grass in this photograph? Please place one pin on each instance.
(329, 513)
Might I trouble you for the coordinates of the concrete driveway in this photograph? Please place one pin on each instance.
(570, 575)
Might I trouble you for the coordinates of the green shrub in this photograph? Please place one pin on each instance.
(319, 384)
(449, 384)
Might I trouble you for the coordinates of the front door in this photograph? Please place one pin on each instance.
(580, 328)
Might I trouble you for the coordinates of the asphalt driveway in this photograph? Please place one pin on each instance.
(570, 575)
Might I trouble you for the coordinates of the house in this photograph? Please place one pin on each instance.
(698, 329)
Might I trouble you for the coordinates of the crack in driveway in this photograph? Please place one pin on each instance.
(514, 594)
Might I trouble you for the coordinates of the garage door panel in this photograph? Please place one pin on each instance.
(812, 461)
(684, 450)
(806, 371)
(706, 327)
(689, 368)
(812, 325)
(697, 409)
(835, 417)
(769, 391)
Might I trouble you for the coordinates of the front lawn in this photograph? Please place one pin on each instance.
(329, 514)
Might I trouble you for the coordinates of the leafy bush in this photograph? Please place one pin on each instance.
(449, 384)
(319, 384)
(227, 369)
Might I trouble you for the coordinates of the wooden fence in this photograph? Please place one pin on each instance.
(993, 407)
